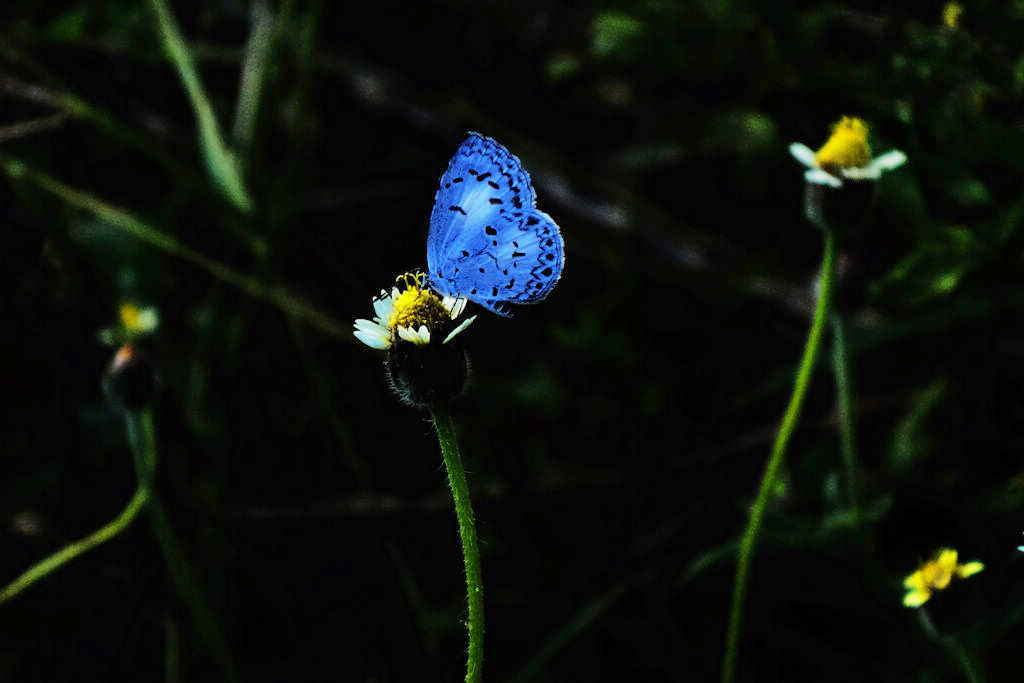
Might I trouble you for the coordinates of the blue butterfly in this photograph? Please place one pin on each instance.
(487, 241)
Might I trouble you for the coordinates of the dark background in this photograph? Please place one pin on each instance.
(614, 435)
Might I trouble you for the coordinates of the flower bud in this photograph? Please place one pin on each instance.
(129, 381)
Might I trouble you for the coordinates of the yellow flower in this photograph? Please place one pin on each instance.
(935, 575)
(846, 155)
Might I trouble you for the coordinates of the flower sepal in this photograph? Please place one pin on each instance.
(422, 375)
(843, 209)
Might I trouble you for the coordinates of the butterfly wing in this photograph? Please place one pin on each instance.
(487, 242)
(516, 260)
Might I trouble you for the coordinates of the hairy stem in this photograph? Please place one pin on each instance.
(467, 532)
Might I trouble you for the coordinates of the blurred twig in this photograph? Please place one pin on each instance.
(371, 503)
(342, 433)
(958, 652)
(433, 622)
(172, 651)
(123, 220)
(586, 616)
(32, 126)
(72, 105)
(844, 408)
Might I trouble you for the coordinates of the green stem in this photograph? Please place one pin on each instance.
(70, 552)
(467, 532)
(789, 422)
(220, 161)
(844, 401)
(959, 652)
(142, 435)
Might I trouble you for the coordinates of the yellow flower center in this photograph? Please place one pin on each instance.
(417, 306)
(131, 317)
(848, 146)
(937, 573)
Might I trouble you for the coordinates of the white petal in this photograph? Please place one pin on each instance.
(456, 305)
(460, 328)
(890, 160)
(819, 177)
(383, 307)
(804, 154)
(868, 172)
(373, 339)
(419, 338)
(148, 320)
(369, 326)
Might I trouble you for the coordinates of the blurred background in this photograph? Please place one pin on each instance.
(614, 435)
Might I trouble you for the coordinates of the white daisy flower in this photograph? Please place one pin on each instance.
(133, 322)
(411, 314)
(845, 155)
